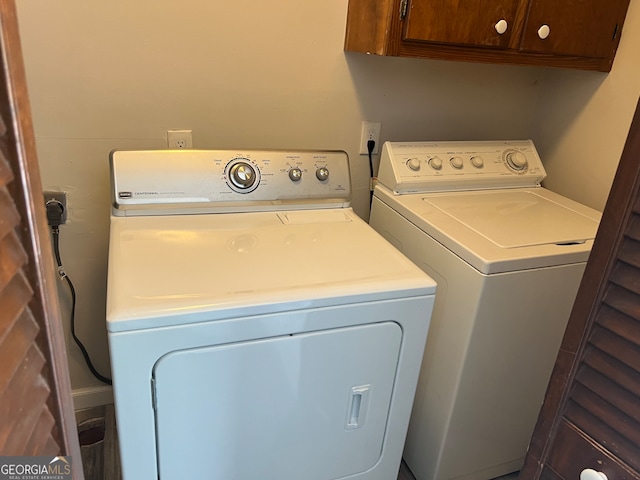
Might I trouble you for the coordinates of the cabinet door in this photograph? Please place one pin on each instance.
(585, 28)
(472, 22)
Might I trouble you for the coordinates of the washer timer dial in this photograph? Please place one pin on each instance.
(242, 175)
(515, 160)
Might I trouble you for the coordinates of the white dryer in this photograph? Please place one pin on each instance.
(258, 329)
(508, 256)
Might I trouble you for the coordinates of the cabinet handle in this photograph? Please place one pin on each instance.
(501, 26)
(589, 474)
(544, 31)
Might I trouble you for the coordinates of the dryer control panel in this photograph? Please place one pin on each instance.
(414, 167)
(160, 182)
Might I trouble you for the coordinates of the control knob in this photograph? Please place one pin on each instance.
(435, 163)
(295, 174)
(322, 173)
(477, 162)
(456, 162)
(413, 164)
(242, 175)
(516, 160)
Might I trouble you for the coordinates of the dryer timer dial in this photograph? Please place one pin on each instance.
(322, 173)
(242, 177)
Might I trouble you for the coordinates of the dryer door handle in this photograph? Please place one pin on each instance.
(357, 406)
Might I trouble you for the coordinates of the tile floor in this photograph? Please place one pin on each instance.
(405, 474)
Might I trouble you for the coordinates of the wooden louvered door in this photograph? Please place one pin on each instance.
(591, 414)
(36, 409)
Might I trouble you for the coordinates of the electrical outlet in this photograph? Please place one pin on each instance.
(57, 197)
(179, 139)
(370, 131)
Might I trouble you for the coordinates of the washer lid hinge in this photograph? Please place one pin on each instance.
(153, 393)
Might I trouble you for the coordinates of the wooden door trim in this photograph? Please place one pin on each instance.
(27, 194)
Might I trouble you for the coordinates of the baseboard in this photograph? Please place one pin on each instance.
(89, 397)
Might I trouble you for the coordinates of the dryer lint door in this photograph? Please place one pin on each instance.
(314, 404)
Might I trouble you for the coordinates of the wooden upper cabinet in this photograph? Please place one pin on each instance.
(580, 34)
(472, 22)
(585, 28)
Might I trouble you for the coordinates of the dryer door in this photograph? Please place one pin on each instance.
(311, 406)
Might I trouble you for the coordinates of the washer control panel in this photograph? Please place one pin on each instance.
(413, 167)
(148, 182)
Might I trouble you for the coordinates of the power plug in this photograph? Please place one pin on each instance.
(56, 206)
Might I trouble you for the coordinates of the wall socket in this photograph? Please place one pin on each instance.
(59, 197)
(370, 131)
(179, 139)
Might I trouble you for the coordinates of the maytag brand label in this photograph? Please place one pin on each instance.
(35, 468)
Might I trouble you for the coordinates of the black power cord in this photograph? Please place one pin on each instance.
(55, 211)
(371, 146)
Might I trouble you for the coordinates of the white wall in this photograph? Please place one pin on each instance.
(244, 74)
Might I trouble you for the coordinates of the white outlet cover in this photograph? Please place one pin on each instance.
(370, 131)
(178, 139)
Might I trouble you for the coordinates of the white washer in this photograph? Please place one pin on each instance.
(508, 256)
(258, 329)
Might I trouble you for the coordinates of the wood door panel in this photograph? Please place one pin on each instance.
(20, 384)
(591, 382)
(577, 451)
(618, 446)
(13, 351)
(11, 307)
(619, 323)
(469, 22)
(39, 438)
(624, 301)
(633, 231)
(614, 371)
(9, 218)
(617, 347)
(630, 250)
(624, 273)
(32, 423)
(578, 27)
(13, 258)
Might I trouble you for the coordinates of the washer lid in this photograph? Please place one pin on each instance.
(502, 230)
(170, 270)
(513, 218)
